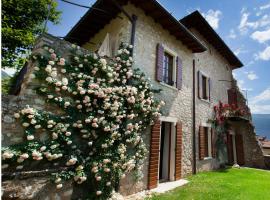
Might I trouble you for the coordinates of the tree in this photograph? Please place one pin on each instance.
(22, 22)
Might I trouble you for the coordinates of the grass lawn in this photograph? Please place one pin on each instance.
(231, 184)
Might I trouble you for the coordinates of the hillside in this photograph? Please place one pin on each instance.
(262, 124)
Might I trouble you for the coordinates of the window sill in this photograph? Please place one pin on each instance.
(169, 86)
(206, 101)
(207, 158)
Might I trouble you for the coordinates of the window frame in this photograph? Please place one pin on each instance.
(207, 78)
(209, 141)
(174, 67)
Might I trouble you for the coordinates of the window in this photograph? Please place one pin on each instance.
(168, 69)
(205, 142)
(206, 135)
(204, 86)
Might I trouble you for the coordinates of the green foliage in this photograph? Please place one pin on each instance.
(22, 21)
(98, 135)
(6, 83)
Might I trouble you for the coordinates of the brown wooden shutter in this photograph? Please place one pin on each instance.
(200, 85)
(154, 156)
(230, 148)
(201, 143)
(239, 149)
(209, 88)
(179, 73)
(213, 145)
(232, 97)
(159, 62)
(178, 151)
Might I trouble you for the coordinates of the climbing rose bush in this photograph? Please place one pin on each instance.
(97, 137)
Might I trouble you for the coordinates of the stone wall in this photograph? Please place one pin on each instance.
(32, 182)
(178, 102)
(253, 154)
(214, 66)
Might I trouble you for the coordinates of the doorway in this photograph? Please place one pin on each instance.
(167, 153)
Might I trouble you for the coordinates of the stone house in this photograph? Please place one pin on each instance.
(193, 67)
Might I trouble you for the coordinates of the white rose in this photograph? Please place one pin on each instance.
(59, 186)
(64, 87)
(103, 61)
(30, 137)
(68, 133)
(58, 180)
(67, 104)
(65, 81)
(51, 62)
(98, 193)
(17, 115)
(43, 148)
(25, 124)
(49, 79)
(33, 121)
(48, 68)
(63, 71)
(54, 74)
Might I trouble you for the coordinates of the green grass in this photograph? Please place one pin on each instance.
(231, 184)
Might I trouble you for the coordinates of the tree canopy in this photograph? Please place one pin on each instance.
(22, 21)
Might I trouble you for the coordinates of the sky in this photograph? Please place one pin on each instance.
(244, 25)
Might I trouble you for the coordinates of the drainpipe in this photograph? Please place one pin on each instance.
(133, 20)
(194, 118)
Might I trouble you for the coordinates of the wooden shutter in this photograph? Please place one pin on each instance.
(230, 148)
(232, 97)
(154, 156)
(179, 73)
(209, 88)
(239, 149)
(178, 151)
(213, 144)
(159, 62)
(201, 143)
(200, 85)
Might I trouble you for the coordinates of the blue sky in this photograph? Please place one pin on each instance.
(243, 25)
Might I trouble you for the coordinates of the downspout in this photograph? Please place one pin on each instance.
(133, 20)
(194, 118)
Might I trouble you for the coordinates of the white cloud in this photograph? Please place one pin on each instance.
(239, 51)
(263, 55)
(232, 34)
(241, 86)
(261, 102)
(245, 24)
(261, 36)
(259, 109)
(251, 75)
(265, 6)
(213, 17)
(262, 97)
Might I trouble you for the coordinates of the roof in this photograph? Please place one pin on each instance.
(197, 21)
(266, 144)
(103, 11)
